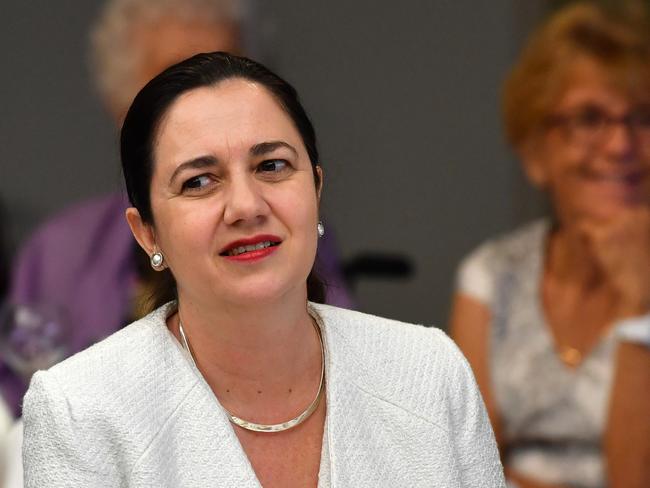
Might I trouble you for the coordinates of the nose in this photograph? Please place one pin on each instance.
(244, 201)
(620, 142)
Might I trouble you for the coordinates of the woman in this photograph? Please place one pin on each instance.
(132, 41)
(540, 313)
(241, 381)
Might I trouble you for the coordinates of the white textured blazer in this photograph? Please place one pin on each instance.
(403, 410)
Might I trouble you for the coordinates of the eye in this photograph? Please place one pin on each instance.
(273, 166)
(640, 117)
(590, 118)
(197, 183)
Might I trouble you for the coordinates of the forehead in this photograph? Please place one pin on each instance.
(234, 114)
(591, 81)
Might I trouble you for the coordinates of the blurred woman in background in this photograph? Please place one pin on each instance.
(549, 315)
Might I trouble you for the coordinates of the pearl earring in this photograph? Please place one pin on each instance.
(157, 261)
(321, 229)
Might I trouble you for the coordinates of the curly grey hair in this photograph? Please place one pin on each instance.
(113, 57)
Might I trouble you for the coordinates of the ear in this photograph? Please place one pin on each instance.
(534, 162)
(319, 189)
(142, 231)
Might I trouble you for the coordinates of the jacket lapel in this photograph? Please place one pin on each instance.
(372, 441)
(196, 446)
(359, 426)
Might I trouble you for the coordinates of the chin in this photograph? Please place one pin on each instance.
(606, 201)
(264, 291)
(606, 209)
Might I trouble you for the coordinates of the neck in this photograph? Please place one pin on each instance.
(252, 355)
(570, 260)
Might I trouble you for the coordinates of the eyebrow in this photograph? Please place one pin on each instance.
(208, 161)
(270, 146)
(196, 163)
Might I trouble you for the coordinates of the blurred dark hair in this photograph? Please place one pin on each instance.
(152, 102)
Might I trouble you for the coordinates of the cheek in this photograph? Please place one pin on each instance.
(296, 196)
(564, 169)
(297, 210)
(185, 229)
(302, 209)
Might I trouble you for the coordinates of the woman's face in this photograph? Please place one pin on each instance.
(233, 196)
(592, 177)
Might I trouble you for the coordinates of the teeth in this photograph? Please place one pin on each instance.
(251, 247)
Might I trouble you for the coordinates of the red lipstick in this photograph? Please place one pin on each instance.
(252, 248)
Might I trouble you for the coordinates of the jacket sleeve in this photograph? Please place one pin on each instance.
(55, 451)
(476, 450)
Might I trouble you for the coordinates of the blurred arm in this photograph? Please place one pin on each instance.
(470, 328)
(627, 436)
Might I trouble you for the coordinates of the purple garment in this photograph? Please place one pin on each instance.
(80, 260)
(83, 261)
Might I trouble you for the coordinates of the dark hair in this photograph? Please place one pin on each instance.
(152, 102)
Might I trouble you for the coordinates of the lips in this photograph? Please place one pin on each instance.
(628, 186)
(256, 246)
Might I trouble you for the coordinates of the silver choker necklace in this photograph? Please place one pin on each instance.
(289, 424)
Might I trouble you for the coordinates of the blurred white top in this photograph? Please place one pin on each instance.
(6, 421)
(12, 457)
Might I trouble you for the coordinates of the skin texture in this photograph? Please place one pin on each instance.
(597, 258)
(246, 322)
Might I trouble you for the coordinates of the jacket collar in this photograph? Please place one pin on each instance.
(358, 419)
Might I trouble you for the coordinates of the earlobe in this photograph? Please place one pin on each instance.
(536, 173)
(534, 165)
(142, 232)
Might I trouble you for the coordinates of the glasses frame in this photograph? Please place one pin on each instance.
(593, 126)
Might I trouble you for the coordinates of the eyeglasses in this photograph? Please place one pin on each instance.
(592, 126)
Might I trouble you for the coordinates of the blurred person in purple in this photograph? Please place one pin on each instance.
(85, 259)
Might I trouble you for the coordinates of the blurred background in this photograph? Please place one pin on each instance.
(404, 97)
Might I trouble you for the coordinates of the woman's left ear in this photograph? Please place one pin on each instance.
(534, 163)
(319, 188)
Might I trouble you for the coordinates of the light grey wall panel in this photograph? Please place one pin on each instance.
(404, 96)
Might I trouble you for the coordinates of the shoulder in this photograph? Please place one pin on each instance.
(90, 418)
(91, 237)
(481, 268)
(80, 228)
(510, 246)
(111, 378)
(370, 330)
(409, 365)
(93, 213)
